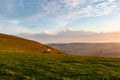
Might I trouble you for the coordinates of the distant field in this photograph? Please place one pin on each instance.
(31, 66)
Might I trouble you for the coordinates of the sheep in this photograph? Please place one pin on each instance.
(47, 51)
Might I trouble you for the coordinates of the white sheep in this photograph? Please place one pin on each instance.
(48, 51)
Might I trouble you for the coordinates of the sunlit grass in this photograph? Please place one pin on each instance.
(32, 66)
(16, 44)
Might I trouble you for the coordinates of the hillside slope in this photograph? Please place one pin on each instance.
(10, 43)
(90, 49)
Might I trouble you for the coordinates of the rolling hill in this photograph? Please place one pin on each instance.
(90, 49)
(18, 61)
(10, 43)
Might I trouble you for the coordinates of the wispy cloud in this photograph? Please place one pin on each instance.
(12, 27)
(73, 3)
(61, 12)
(69, 8)
(13, 21)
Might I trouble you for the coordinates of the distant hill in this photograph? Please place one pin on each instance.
(10, 43)
(90, 49)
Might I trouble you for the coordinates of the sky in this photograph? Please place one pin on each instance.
(52, 17)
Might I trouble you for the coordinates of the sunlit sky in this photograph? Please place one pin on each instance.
(52, 16)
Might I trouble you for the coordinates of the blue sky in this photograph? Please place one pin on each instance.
(53, 16)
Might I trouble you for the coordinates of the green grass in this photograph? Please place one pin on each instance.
(32, 66)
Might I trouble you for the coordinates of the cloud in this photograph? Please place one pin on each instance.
(73, 3)
(13, 30)
(13, 21)
(57, 8)
(12, 27)
(111, 1)
(70, 35)
(63, 12)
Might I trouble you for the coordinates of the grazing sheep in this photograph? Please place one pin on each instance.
(47, 51)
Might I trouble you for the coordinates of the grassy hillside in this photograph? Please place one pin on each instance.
(19, 61)
(30, 66)
(90, 49)
(10, 43)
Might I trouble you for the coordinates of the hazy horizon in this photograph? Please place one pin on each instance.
(62, 21)
(75, 36)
